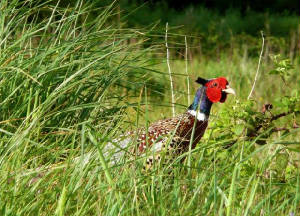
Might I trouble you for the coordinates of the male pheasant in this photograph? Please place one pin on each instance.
(183, 130)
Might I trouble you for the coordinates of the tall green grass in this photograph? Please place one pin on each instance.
(70, 84)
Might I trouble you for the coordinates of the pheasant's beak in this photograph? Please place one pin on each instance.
(229, 90)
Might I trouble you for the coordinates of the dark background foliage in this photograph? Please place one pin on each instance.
(222, 6)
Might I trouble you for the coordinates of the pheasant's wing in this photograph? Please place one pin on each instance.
(158, 131)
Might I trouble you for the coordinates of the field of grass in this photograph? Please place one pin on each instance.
(70, 84)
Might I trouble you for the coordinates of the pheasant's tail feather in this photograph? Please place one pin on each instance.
(115, 150)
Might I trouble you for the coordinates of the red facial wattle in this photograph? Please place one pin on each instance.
(214, 90)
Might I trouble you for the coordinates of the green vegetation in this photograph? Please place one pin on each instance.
(211, 31)
(73, 78)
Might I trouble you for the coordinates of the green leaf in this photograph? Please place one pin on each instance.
(274, 72)
(238, 129)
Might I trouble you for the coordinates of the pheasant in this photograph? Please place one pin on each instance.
(183, 130)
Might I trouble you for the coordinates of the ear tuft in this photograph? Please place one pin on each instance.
(201, 81)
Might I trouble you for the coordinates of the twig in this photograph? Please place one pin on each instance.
(280, 115)
(258, 66)
(269, 120)
(186, 70)
(280, 129)
(169, 68)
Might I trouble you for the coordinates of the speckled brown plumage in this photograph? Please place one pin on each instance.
(179, 127)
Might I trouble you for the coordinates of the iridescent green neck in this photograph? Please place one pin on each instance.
(201, 100)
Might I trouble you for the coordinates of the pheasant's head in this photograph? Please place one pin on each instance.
(216, 89)
(212, 91)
